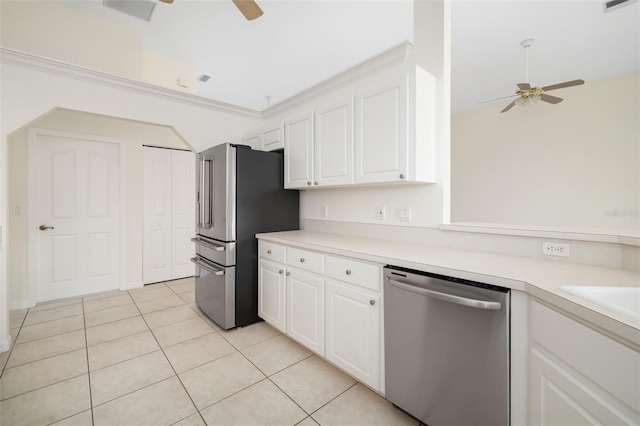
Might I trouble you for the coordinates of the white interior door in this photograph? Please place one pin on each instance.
(78, 197)
(156, 215)
(183, 213)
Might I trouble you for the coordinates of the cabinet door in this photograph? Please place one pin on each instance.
(558, 397)
(305, 310)
(271, 293)
(298, 152)
(271, 137)
(333, 150)
(381, 150)
(353, 332)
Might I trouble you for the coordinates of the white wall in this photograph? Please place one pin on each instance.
(428, 203)
(563, 165)
(31, 89)
(134, 134)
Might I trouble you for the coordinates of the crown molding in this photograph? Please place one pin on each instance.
(395, 55)
(63, 69)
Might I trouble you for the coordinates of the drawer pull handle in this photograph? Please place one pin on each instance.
(308, 183)
(268, 251)
(401, 175)
(348, 272)
(288, 273)
(280, 271)
(372, 302)
(302, 260)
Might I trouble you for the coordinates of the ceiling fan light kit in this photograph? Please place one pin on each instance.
(527, 94)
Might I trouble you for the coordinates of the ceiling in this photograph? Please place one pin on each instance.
(297, 44)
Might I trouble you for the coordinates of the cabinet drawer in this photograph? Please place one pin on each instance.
(307, 260)
(272, 251)
(363, 274)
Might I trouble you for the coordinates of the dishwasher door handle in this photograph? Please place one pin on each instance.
(464, 301)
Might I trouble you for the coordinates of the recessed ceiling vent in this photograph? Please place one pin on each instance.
(141, 9)
(611, 5)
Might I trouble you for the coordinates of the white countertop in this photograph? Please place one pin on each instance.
(538, 277)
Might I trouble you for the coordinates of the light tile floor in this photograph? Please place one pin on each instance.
(150, 357)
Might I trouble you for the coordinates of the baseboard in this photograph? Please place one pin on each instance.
(5, 344)
(131, 285)
(19, 305)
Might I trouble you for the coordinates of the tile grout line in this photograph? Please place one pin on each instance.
(86, 346)
(171, 365)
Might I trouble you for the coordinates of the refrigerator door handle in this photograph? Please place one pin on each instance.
(205, 195)
(207, 267)
(208, 244)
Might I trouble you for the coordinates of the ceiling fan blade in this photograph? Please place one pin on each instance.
(249, 9)
(508, 107)
(550, 99)
(167, 1)
(497, 99)
(524, 86)
(562, 85)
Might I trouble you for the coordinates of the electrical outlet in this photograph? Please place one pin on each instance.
(380, 212)
(556, 249)
(324, 211)
(403, 214)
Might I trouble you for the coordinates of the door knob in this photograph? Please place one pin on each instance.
(44, 227)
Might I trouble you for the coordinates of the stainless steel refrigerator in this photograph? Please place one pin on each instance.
(239, 194)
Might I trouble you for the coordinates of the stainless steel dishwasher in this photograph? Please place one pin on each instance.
(446, 348)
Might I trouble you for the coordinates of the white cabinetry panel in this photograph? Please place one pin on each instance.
(333, 150)
(271, 293)
(353, 332)
(298, 147)
(587, 378)
(305, 309)
(381, 138)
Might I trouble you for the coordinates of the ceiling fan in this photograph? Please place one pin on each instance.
(249, 8)
(526, 93)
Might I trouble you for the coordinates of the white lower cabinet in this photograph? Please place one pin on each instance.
(578, 376)
(329, 304)
(353, 332)
(305, 309)
(271, 293)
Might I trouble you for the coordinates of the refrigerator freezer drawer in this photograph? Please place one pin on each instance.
(215, 251)
(216, 292)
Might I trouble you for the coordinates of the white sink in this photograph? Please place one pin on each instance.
(624, 300)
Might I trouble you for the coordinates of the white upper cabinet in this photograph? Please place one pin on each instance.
(333, 150)
(395, 130)
(267, 138)
(298, 151)
(381, 142)
(272, 136)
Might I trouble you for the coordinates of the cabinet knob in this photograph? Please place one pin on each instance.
(308, 183)
(348, 272)
(315, 183)
(302, 260)
(372, 302)
(268, 251)
(280, 271)
(288, 273)
(401, 175)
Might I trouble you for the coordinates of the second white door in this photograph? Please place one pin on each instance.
(169, 214)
